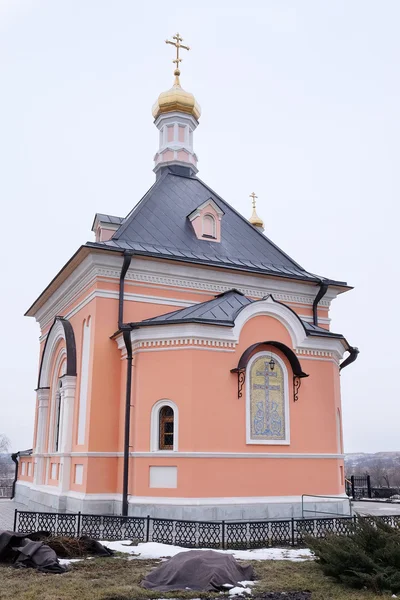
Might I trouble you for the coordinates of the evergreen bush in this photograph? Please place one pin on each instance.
(369, 557)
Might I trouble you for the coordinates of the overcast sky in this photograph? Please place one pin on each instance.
(300, 103)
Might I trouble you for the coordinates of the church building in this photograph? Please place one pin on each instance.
(187, 366)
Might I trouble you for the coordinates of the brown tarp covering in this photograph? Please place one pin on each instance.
(31, 550)
(198, 570)
(22, 551)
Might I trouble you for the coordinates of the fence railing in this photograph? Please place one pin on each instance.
(189, 534)
(323, 512)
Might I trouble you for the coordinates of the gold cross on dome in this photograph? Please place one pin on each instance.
(178, 45)
(253, 196)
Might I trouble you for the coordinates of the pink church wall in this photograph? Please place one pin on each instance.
(210, 400)
(212, 418)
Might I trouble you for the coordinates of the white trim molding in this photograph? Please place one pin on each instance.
(279, 361)
(270, 308)
(188, 454)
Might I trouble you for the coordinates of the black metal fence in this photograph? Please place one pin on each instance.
(359, 486)
(189, 534)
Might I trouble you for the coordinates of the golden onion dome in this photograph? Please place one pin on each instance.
(176, 99)
(256, 220)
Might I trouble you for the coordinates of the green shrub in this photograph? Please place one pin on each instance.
(368, 557)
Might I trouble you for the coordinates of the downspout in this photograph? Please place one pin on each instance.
(125, 267)
(126, 332)
(14, 458)
(354, 352)
(323, 288)
(128, 344)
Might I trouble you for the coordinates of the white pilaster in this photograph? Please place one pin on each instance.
(43, 408)
(67, 403)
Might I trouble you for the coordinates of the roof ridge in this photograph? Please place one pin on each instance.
(138, 206)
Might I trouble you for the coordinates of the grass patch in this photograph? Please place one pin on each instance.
(119, 579)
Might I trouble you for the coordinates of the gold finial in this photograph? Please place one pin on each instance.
(255, 219)
(177, 60)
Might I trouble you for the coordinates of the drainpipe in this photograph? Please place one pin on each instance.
(125, 267)
(14, 458)
(128, 344)
(126, 332)
(354, 352)
(323, 288)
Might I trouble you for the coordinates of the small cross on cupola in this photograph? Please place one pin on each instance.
(255, 220)
(176, 115)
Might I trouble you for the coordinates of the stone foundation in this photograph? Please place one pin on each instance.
(43, 499)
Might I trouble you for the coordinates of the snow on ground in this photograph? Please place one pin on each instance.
(239, 591)
(67, 561)
(154, 550)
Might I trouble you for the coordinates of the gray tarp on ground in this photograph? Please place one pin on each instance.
(24, 552)
(198, 570)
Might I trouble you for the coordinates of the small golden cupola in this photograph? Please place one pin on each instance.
(255, 220)
(176, 113)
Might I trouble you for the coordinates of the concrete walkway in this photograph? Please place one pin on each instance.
(376, 508)
(7, 508)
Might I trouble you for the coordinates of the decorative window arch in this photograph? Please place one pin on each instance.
(60, 330)
(164, 427)
(267, 400)
(209, 226)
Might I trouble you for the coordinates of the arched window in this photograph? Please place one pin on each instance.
(267, 400)
(164, 426)
(209, 227)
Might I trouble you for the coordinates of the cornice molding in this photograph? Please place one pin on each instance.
(98, 266)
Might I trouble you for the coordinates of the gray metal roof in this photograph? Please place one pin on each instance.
(109, 219)
(221, 310)
(312, 329)
(158, 226)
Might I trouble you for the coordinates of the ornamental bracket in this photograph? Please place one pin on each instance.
(241, 379)
(296, 387)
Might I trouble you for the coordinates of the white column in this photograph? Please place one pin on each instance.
(67, 402)
(43, 408)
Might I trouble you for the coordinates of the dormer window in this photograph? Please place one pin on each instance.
(209, 227)
(206, 221)
(104, 226)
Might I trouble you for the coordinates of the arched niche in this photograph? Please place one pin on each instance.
(298, 373)
(60, 330)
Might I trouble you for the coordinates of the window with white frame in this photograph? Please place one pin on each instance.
(164, 427)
